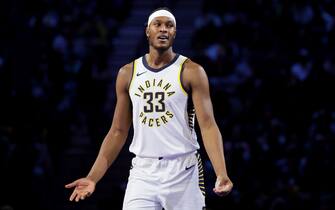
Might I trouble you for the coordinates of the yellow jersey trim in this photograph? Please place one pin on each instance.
(133, 75)
(179, 77)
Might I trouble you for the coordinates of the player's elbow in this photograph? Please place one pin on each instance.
(119, 133)
(206, 122)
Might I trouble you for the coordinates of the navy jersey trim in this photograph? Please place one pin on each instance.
(146, 65)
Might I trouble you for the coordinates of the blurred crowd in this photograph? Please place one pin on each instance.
(271, 67)
(272, 74)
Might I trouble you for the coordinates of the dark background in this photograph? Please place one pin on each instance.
(271, 66)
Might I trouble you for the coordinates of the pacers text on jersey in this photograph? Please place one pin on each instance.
(154, 93)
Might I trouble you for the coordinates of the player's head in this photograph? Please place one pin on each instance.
(161, 28)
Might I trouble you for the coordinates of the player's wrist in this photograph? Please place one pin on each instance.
(222, 176)
(91, 178)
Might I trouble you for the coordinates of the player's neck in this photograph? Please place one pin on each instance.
(157, 59)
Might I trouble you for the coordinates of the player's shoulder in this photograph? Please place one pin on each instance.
(124, 75)
(192, 67)
(126, 69)
(129, 67)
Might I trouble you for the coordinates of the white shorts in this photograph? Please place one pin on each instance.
(172, 184)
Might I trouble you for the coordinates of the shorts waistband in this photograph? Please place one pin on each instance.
(169, 157)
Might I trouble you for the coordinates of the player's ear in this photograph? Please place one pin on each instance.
(147, 31)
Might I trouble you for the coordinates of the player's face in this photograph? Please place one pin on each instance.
(161, 32)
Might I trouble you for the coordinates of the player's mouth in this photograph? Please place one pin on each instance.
(163, 38)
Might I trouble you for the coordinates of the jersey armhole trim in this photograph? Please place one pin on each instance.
(132, 75)
(180, 77)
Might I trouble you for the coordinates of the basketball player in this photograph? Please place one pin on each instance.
(160, 93)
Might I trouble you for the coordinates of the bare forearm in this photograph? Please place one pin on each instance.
(109, 150)
(214, 147)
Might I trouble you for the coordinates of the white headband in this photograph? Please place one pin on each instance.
(160, 13)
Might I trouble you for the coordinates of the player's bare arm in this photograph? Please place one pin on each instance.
(117, 135)
(195, 80)
(113, 141)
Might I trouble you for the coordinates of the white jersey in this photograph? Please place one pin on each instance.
(163, 115)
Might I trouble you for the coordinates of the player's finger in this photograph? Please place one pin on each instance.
(227, 188)
(72, 184)
(77, 198)
(83, 195)
(88, 194)
(221, 191)
(73, 195)
(218, 192)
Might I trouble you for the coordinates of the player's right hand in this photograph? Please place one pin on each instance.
(84, 187)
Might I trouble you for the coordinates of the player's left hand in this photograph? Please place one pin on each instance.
(223, 185)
